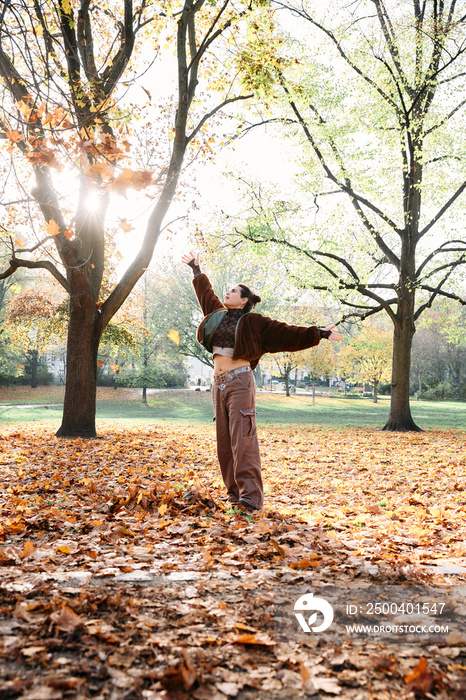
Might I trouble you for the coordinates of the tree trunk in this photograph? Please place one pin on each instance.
(313, 390)
(144, 394)
(400, 418)
(34, 360)
(84, 333)
(374, 392)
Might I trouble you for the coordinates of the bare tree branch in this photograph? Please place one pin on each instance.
(442, 249)
(435, 291)
(35, 265)
(445, 119)
(447, 266)
(363, 289)
(31, 250)
(389, 34)
(355, 199)
(442, 211)
(366, 314)
(208, 116)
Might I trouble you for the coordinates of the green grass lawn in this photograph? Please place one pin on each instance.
(195, 407)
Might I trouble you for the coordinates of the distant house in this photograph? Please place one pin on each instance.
(197, 369)
(55, 359)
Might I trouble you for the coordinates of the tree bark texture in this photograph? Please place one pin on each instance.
(84, 332)
(400, 418)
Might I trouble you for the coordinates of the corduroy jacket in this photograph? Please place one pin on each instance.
(255, 334)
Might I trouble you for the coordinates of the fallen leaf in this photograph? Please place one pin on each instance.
(66, 619)
(27, 550)
(328, 685)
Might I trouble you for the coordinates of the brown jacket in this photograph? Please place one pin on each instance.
(255, 334)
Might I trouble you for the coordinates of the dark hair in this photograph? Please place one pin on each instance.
(252, 298)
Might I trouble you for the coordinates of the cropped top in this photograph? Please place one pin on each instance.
(224, 336)
(226, 352)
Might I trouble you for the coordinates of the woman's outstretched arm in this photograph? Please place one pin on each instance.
(277, 336)
(208, 300)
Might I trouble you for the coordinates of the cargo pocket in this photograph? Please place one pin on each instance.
(248, 422)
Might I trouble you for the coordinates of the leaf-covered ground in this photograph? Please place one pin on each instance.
(124, 574)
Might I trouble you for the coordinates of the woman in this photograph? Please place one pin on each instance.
(238, 339)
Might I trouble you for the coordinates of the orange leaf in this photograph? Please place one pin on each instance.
(421, 678)
(24, 109)
(305, 563)
(147, 93)
(52, 228)
(163, 509)
(241, 626)
(262, 639)
(100, 363)
(125, 226)
(102, 170)
(121, 183)
(14, 136)
(27, 550)
(141, 179)
(69, 233)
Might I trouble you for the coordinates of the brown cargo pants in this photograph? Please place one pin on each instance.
(233, 397)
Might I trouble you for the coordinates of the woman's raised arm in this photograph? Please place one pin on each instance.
(206, 296)
(192, 260)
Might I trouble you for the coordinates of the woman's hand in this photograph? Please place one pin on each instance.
(333, 336)
(190, 258)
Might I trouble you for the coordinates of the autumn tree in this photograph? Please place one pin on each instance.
(10, 358)
(368, 355)
(64, 68)
(156, 361)
(375, 98)
(318, 362)
(31, 321)
(283, 363)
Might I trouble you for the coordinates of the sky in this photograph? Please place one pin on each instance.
(257, 156)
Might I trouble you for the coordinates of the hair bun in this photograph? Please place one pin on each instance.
(256, 299)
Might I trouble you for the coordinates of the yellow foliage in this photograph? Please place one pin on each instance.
(174, 336)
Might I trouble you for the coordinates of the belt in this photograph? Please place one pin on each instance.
(224, 377)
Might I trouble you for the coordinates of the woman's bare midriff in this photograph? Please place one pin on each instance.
(226, 364)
